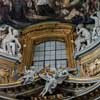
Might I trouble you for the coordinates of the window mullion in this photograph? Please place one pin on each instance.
(55, 56)
(44, 55)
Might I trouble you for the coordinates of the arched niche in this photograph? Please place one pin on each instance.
(38, 33)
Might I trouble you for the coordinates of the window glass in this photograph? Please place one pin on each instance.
(51, 53)
(47, 53)
(53, 45)
(60, 45)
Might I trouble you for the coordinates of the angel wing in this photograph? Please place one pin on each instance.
(61, 76)
(60, 80)
(44, 77)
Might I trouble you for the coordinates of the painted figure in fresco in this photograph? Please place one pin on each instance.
(19, 9)
(1, 7)
(5, 8)
(72, 14)
(90, 6)
(31, 7)
(69, 3)
(44, 8)
(75, 15)
(10, 43)
(53, 80)
(79, 11)
(97, 5)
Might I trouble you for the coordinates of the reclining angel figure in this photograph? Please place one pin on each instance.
(28, 77)
(61, 75)
(53, 80)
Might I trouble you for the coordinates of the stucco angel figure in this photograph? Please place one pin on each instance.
(85, 33)
(84, 36)
(28, 77)
(96, 17)
(78, 43)
(94, 34)
(2, 35)
(10, 43)
(53, 80)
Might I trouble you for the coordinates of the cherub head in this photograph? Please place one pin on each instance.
(15, 32)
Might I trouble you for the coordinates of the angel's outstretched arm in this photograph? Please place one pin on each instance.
(45, 77)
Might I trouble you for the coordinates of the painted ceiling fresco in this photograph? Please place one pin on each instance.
(21, 13)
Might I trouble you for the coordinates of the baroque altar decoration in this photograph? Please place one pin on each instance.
(49, 49)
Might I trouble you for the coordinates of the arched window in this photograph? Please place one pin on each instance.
(51, 53)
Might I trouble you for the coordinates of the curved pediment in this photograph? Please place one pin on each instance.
(47, 27)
